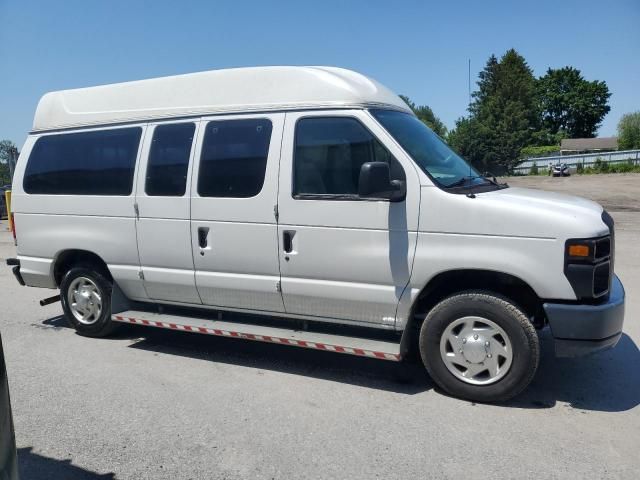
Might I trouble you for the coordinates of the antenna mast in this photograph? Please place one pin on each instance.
(469, 79)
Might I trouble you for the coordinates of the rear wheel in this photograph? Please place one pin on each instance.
(86, 300)
(479, 346)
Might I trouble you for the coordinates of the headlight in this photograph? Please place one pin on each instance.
(588, 266)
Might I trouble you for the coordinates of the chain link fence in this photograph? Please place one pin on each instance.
(586, 160)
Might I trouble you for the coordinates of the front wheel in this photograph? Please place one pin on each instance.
(86, 300)
(479, 346)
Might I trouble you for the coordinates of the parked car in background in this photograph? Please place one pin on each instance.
(305, 193)
(559, 170)
(8, 459)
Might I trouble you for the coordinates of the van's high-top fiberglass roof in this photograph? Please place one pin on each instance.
(217, 91)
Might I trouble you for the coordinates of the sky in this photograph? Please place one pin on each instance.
(417, 48)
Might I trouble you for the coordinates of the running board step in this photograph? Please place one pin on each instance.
(363, 347)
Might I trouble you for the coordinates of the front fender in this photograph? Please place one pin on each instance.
(538, 262)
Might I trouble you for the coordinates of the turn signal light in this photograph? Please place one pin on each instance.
(579, 250)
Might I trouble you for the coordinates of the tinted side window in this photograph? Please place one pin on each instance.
(87, 163)
(234, 158)
(169, 160)
(329, 153)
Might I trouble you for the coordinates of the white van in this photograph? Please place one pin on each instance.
(313, 198)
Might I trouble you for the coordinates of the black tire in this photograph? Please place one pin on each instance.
(504, 313)
(103, 325)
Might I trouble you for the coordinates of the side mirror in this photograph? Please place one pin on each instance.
(375, 182)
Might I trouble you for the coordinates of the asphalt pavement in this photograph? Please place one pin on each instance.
(157, 404)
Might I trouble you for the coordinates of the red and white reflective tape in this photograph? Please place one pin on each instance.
(261, 338)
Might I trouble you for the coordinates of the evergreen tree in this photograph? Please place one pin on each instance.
(503, 115)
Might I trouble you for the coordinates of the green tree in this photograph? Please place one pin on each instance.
(503, 115)
(487, 86)
(571, 104)
(7, 149)
(426, 115)
(629, 131)
(5, 176)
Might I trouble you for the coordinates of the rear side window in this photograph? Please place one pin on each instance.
(169, 160)
(234, 158)
(87, 163)
(329, 152)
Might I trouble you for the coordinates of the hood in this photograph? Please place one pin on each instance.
(518, 212)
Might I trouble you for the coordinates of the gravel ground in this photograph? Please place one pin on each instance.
(151, 404)
(617, 192)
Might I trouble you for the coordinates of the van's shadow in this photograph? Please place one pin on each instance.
(365, 372)
(608, 381)
(37, 467)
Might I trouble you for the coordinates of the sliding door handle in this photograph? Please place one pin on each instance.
(287, 241)
(203, 234)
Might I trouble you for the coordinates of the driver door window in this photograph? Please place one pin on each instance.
(329, 152)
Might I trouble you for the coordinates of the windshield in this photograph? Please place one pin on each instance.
(427, 149)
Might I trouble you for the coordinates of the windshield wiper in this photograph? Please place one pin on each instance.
(492, 178)
(469, 178)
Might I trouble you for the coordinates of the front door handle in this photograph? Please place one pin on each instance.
(203, 234)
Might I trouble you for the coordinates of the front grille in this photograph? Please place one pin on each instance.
(601, 278)
(602, 248)
(608, 221)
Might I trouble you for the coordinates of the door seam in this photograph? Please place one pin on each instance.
(277, 217)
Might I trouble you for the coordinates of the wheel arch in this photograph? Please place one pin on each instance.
(449, 282)
(66, 259)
